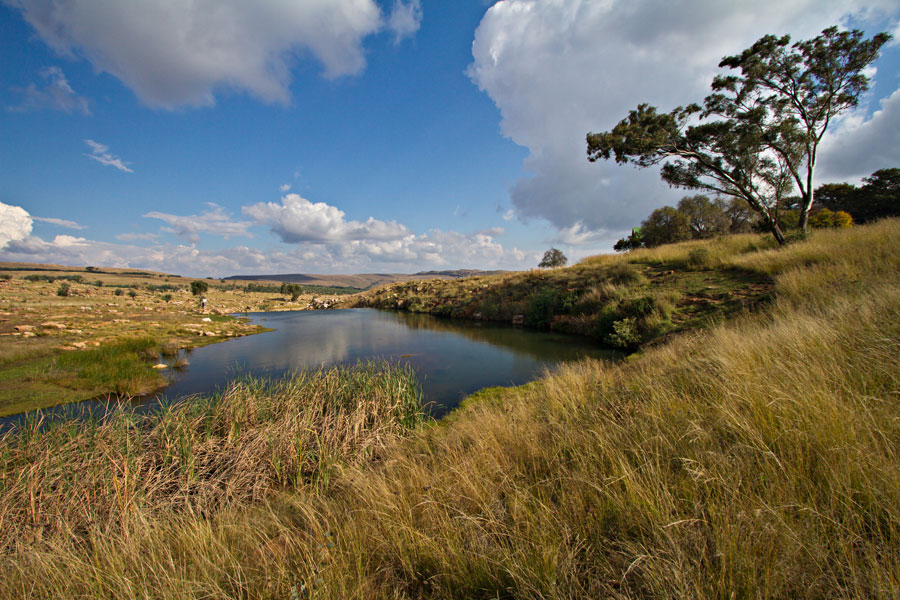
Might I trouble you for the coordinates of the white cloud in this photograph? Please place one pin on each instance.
(284, 187)
(557, 70)
(405, 19)
(858, 147)
(56, 94)
(178, 52)
(101, 154)
(15, 224)
(60, 222)
(409, 252)
(296, 219)
(213, 221)
(579, 235)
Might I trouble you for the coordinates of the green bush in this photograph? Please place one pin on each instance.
(118, 292)
(541, 308)
(63, 290)
(699, 258)
(625, 333)
(132, 293)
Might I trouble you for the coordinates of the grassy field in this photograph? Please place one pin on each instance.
(622, 303)
(113, 325)
(756, 458)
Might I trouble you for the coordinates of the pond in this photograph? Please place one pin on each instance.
(453, 358)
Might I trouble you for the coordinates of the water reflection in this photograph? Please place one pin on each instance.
(452, 358)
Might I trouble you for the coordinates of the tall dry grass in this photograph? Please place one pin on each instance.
(758, 459)
(66, 481)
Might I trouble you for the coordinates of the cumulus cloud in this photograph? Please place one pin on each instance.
(557, 70)
(355, 253)
(55, 94)
(295, 219)
(59, 222)
(15, 224)
(405, 19)
(178, 52)
(858, 147)
(214, 221)
(284, 187)
(100, 153)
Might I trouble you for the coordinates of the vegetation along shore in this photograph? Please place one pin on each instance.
(749, 453)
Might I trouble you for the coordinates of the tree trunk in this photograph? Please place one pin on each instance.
(772, 224)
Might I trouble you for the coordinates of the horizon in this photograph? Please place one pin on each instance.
(362, 136)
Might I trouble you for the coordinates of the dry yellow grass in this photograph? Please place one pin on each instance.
(758, 459)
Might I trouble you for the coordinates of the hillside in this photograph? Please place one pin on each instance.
(753, 456)
(363, 280)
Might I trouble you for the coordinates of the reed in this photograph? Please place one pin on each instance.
(61, 482)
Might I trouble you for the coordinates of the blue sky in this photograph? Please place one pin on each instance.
(218, 137)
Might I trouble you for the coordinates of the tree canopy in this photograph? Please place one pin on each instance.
(199, 287)
(756, 136)
(553, 258)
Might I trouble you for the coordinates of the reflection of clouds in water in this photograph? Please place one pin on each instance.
(313, 339)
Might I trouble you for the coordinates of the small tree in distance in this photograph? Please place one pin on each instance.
(199, 287)
(553, 258)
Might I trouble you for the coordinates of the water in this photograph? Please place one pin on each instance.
(452, 358)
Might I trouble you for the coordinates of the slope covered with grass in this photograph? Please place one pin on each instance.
(754, 459)
(623, 302)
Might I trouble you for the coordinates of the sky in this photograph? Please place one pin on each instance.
(225, 137)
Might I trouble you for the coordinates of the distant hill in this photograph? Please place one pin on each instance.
(362, 280)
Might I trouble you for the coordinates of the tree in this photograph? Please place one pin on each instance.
(803, 87)
(705, 218)
(665, 226)
(741, 217)
(880, 195)
(199, 287)
(635, 240)
(294, 289)
(553, 258)
(838, 196)
(766, 127)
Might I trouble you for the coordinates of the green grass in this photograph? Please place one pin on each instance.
(624, 302)
(756, 458)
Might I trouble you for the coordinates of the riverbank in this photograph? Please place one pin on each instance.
(754, 458)
(623, 302)
(69, 334)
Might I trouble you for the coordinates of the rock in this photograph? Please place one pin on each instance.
(22, 328)
(477, 316)
(206, 320)
(209, 333)
(53, 325)
(161, 366)
(79, 345)
(28, 334)
(518, 320)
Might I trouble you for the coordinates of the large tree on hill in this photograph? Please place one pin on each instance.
(756, 136)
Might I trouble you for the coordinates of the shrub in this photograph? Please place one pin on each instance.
(625, 333)
(541, 308)
(199, 287)
(700, 258)
(118, 292)
(63, 290)
(167, 297)
(132, 293)
(5, 276)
